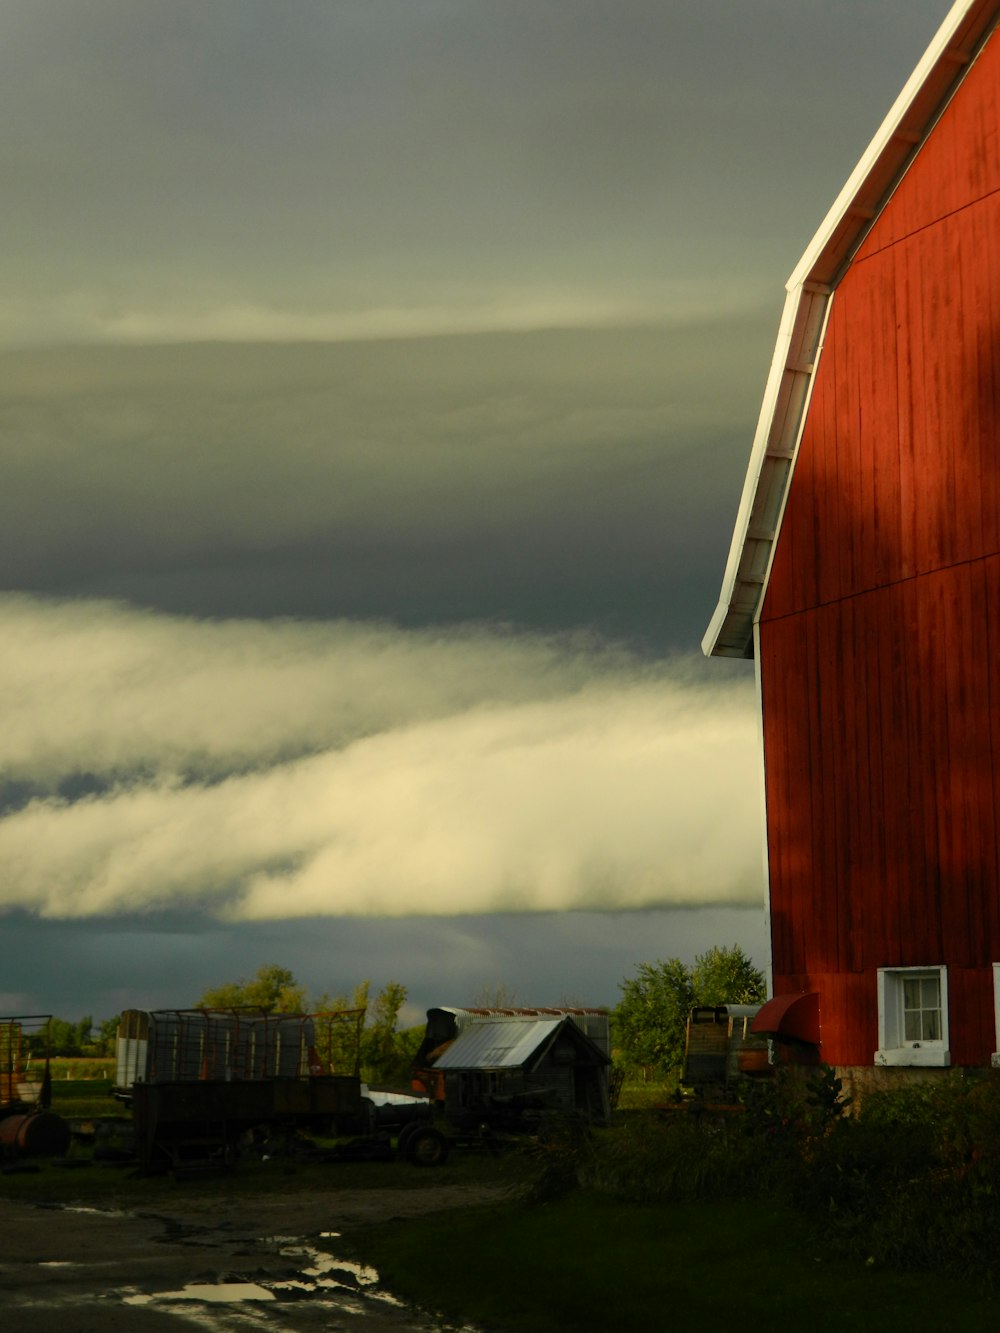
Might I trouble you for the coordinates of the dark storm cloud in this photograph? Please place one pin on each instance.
(189, 169)
(168, 960)
(556, 479)
(257, 171)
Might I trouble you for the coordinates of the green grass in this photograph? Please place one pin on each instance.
(73, 1067)
(586, 1263)
(638, 1096)
(79, 1099)
(81, 1087)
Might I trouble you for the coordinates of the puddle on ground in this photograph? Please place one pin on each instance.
(312, 1274)
(221, 1292)
(80, 1208)
(316, 1272)
(328, 1273)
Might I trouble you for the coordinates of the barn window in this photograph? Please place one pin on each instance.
(913, 1016)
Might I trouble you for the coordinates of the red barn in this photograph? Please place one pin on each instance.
(864, 579)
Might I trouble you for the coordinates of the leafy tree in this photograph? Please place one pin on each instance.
(727, 976)
(384, 1055)
(273, 990)
(339, 1036)
(353, 1032)
(380, 1047)
(408, 1042)
(651, 1018)
(107, 1036)
(65, 1037)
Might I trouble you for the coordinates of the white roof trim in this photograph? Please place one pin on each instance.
(810, 289)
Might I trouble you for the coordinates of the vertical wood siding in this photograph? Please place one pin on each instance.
(880, 631)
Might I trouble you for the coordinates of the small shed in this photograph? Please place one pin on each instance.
(488, 1061)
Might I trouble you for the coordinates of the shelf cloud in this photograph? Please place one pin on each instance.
(268, 770)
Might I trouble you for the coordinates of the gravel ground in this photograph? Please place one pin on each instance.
(267, 1263)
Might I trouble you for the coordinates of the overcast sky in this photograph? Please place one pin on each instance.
(377, 379)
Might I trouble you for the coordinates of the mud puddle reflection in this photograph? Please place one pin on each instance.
(315, 1285)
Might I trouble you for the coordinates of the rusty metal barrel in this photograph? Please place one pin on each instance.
(34, 1134)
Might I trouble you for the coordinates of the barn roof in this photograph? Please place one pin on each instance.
(505, 1044)
(809, 290)
(479, 1014)
(511, 1043)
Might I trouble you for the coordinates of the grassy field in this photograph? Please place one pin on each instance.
(63, 1068)
(584, 1263)
(577, 1263)
(76, 1099)
(641, 1096)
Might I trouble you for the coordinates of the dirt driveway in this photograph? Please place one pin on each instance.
(267, 1263)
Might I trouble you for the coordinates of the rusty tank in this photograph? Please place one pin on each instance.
(37, 1133)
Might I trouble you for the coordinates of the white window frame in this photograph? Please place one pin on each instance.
(996, 1013)
(892, 1048)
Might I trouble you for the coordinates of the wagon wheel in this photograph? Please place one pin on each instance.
(407, 1132)
(426, 1146)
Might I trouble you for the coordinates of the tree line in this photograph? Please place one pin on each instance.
(367, 1037)
(648, 1024)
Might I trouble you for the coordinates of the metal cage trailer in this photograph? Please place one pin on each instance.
(203, 1084)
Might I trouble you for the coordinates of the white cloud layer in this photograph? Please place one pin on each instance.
(266, 770)
(88, 317)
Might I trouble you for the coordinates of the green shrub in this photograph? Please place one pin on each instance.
(938, 1221)
(911, 1180)
(681, 1156)
(941, 1209)
(561, 1157)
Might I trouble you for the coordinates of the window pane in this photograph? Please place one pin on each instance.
(914, 1011)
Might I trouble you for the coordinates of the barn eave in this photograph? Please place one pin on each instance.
(809, 290)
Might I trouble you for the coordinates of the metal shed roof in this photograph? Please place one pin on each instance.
(506, 1044)
(810, 288)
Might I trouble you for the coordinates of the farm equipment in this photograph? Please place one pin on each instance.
(204, 1084)
(721, 1052)
(28, 1128)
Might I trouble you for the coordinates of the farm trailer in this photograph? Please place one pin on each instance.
(202, 1083)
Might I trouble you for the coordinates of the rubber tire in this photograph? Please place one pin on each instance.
(407, 1132)
(427, 1146)
(369, 1116)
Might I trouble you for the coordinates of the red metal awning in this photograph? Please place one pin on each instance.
(790, 1016)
